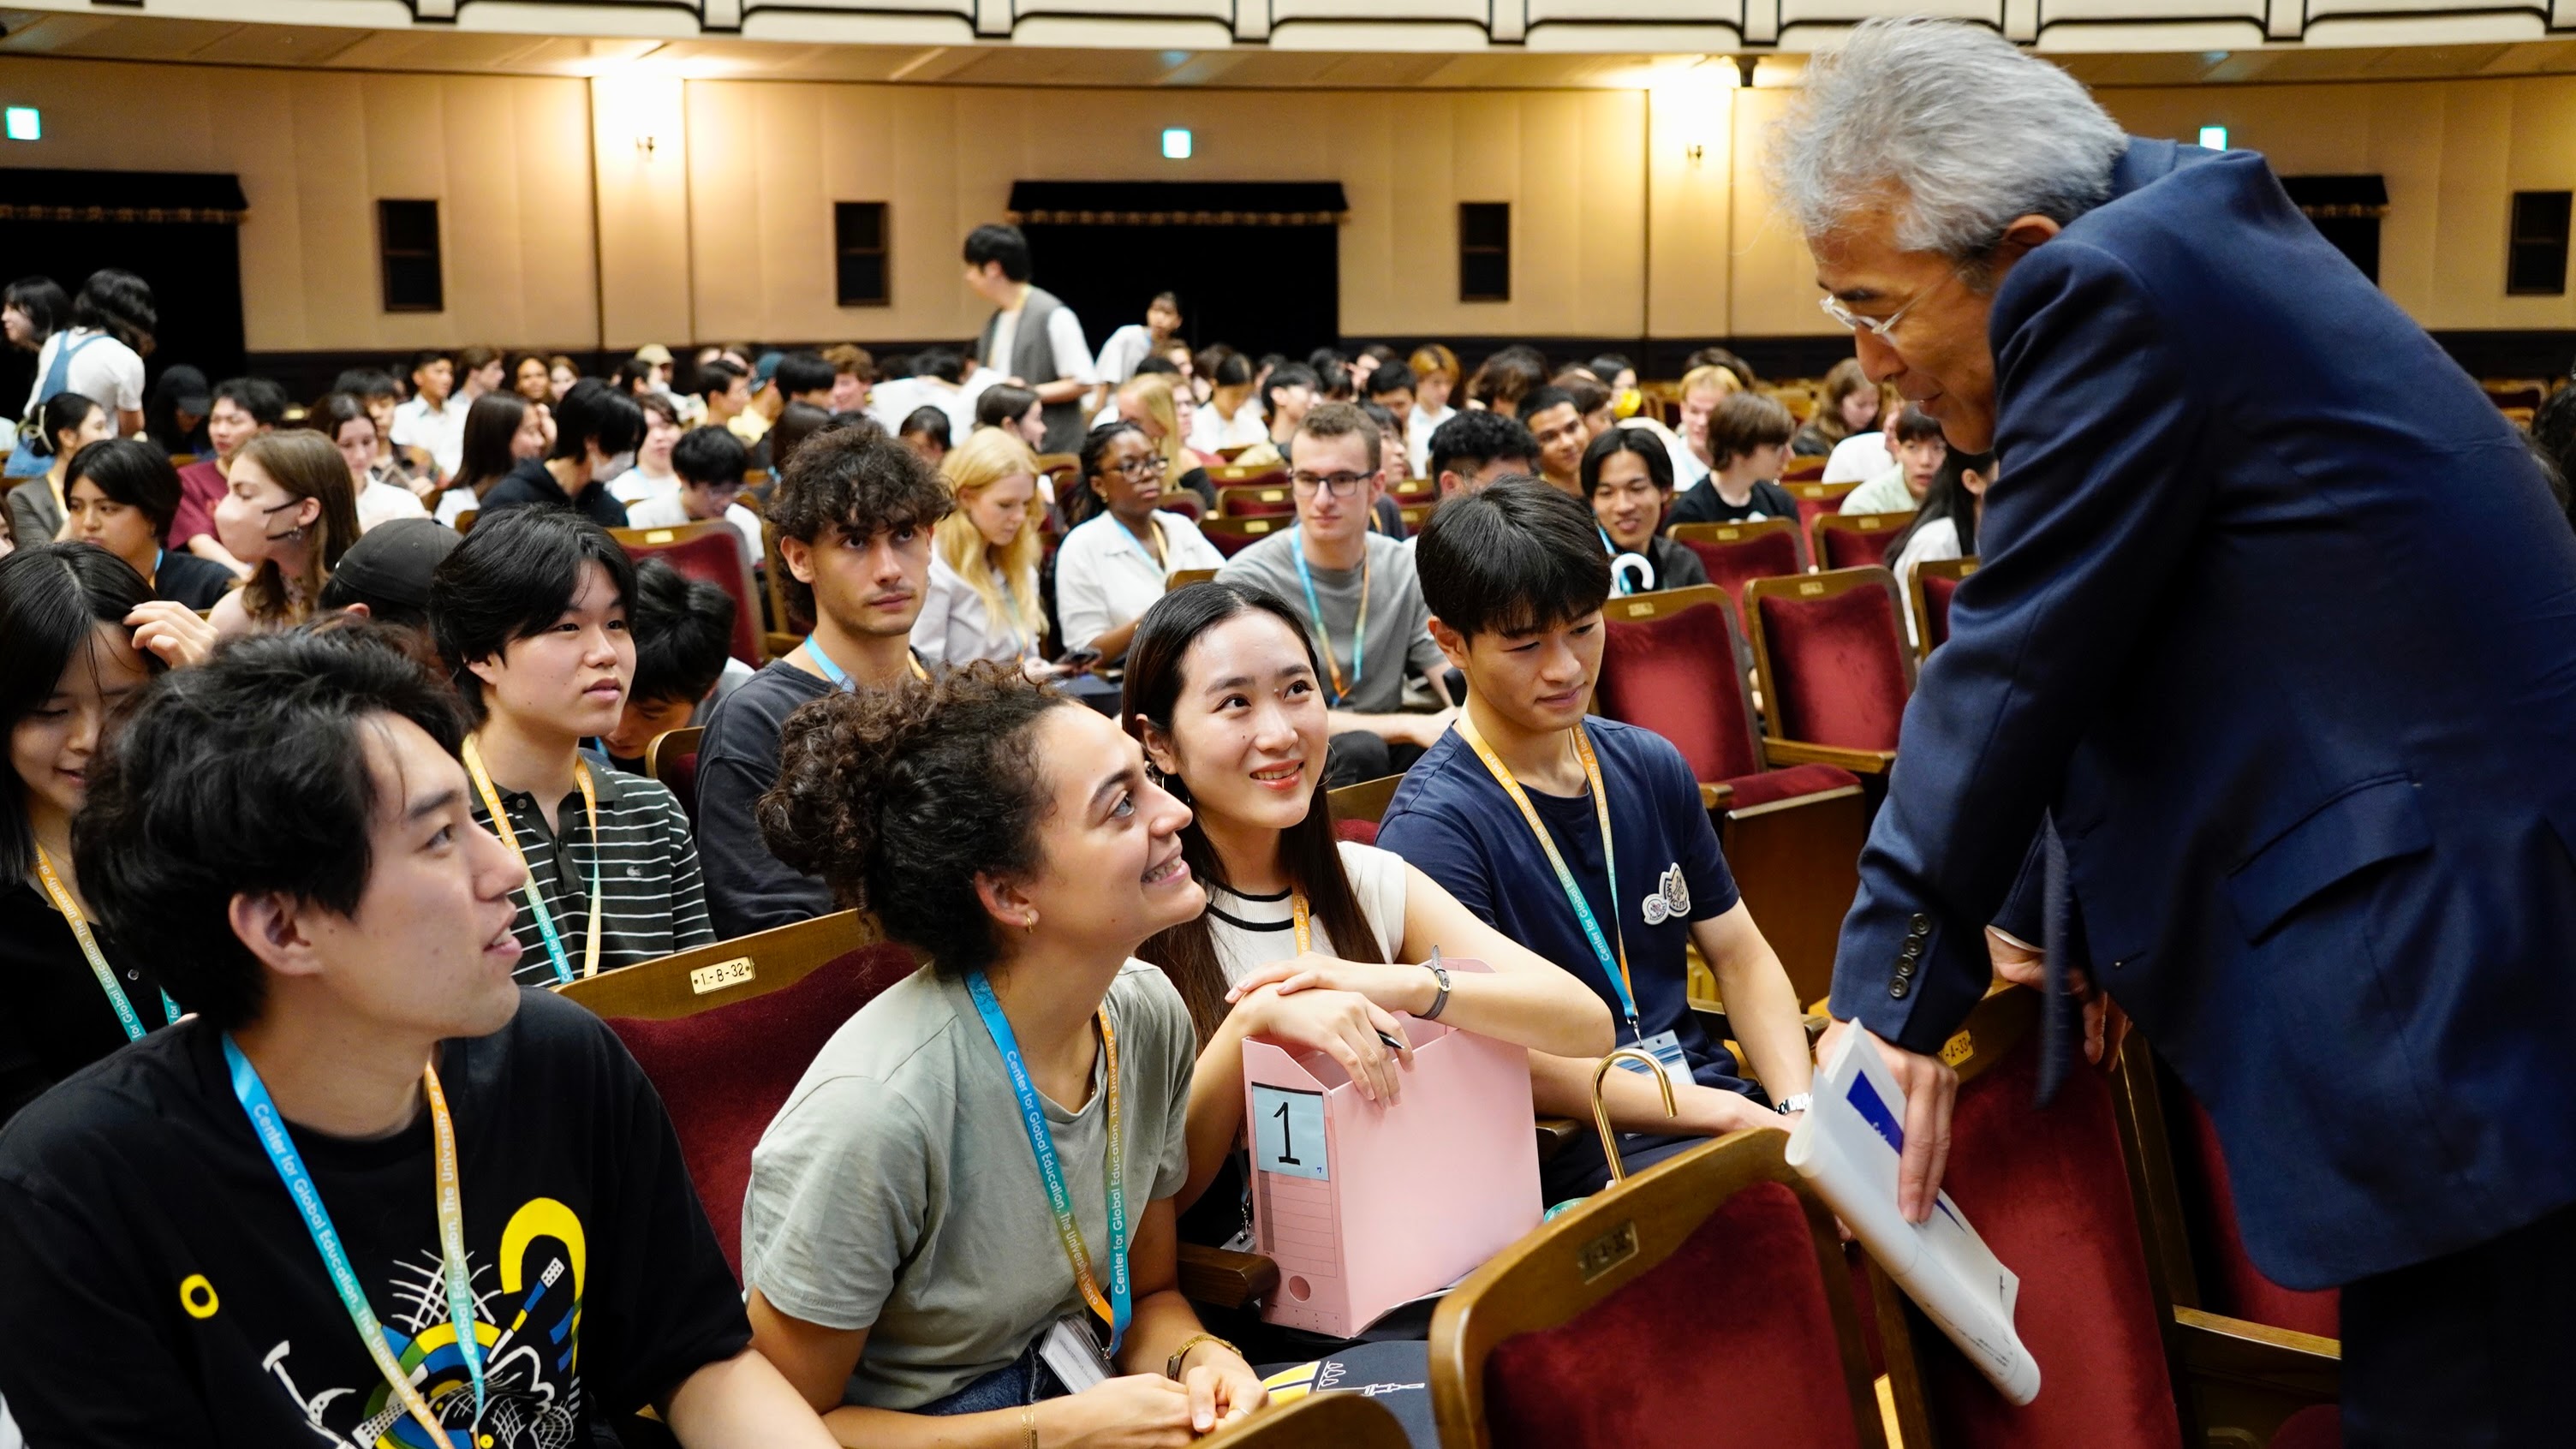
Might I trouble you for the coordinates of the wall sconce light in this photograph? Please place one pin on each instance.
(645, 145)
(1695, 151)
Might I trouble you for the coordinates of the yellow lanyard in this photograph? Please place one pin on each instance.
(504, 827)
(98, 967)
(1613, 965)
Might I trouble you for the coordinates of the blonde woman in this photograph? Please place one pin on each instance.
(289, 511)
(1152, 403)
(983, 599)
(1703, 388)
(1435, 378)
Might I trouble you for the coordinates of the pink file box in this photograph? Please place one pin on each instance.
(1365, 1207)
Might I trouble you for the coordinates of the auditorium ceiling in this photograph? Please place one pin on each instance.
(523, 38)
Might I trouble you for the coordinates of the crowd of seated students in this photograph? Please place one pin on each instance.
(428, 753)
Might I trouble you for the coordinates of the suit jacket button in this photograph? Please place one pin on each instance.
(1899, 987)
(1921, 925)
(1906, 967)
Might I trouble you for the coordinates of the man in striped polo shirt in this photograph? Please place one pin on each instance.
(530, 616)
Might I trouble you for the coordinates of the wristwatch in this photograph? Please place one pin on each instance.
(1440, 999)
(1172, 1365)
(1794, 1103)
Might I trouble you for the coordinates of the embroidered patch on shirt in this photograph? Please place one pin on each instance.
(1671, 900)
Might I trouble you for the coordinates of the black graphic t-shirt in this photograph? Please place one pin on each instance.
(158, 1287)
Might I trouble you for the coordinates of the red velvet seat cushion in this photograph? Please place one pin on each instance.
(1849, 548)
(723, 1074)
(717, 557)
(2318, 1426)
(1838, 665)
(1775, 785)
(680, 772)
(1937, 590)
(2229, 1281)
(2049, 1191)
(1763, 556)
(1676, 676)
(1728, 1341)
(1358, 832)
(1231, 543)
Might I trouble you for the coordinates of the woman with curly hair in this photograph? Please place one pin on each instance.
(959, 1230)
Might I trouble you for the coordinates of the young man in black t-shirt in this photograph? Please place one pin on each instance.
(285, 833)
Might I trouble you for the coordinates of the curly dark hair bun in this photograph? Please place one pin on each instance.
(898, 798)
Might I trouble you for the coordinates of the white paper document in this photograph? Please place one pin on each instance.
(1847, 1146)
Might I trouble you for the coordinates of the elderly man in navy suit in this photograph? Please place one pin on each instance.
(2274, 648)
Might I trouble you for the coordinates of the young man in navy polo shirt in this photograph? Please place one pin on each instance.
(1511, 812)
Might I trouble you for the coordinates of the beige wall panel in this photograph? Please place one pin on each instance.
(315, 149)
(1774, 292)
(1692, 254)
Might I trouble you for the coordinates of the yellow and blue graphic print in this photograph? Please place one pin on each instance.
(527, 1319)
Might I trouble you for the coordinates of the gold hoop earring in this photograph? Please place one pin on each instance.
(1031, 924)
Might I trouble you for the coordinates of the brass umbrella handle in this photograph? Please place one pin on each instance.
(1601, 1109)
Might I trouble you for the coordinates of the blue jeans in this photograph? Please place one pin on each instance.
(1015, 1385)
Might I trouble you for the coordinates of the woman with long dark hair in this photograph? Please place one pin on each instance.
(502, 430)
(1307, 941)
(84, 634)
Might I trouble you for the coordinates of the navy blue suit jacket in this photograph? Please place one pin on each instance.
(2277, 620)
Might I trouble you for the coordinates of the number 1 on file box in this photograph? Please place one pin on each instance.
(1288, 1133)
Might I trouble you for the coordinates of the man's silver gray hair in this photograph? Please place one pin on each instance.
(1953, 125)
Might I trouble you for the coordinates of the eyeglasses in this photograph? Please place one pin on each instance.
(1145, 467)
(1340, 485)
(1882, 327)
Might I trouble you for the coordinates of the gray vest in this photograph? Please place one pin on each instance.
(1032, 360)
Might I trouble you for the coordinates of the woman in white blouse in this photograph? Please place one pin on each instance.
(1945, 527)
(1222, 691)
(983, 599)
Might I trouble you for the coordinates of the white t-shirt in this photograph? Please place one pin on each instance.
(1210, 433)
(1251, 932)
(1418, 428)
(440, 431)
(383, 502)
(1126, 347)
(1938, 539)
(105, 371)
(665, 510)
(634, 485)
(1862, 455)
(1104, 577)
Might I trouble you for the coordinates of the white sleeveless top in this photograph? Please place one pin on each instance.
(1252, 931)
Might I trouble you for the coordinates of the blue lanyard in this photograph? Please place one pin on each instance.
(841, 677)
(1323, 634)
(1115, 1307)
(270, 1128)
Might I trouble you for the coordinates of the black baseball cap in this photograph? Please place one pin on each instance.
(388, 568)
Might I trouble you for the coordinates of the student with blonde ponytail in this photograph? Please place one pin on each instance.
(983, 598)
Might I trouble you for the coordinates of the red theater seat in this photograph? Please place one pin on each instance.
(1703, 1301)
(1833, 666)
(1854, 540)
(1734, 553)
(713, 551)
(1928, 594)
(724, 1068)
(672, 758)
(2049, 1191)
(1793, 834)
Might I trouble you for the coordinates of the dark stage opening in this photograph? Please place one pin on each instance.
(178, 231)
(1257, 265)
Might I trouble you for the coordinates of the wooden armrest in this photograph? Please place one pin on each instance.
(1798, 752)
(1554, 1133)
(1715, 797)
(2279, 1359)
(1222, 1279)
